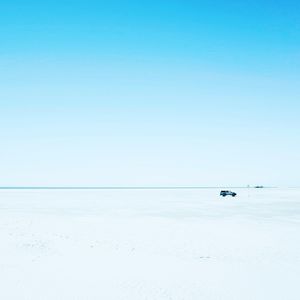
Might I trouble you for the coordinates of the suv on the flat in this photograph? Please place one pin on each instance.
(227, 193)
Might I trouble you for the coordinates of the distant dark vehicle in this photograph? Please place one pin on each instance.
(259, 186)
(227, 193)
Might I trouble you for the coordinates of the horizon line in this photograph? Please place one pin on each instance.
(119, 187)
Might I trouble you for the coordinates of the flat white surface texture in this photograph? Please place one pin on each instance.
(150, 244)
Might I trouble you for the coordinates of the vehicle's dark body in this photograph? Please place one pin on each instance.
(227, 193)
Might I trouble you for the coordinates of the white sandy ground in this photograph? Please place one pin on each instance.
(150, 244)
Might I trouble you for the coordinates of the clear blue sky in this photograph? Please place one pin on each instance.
(149, 92)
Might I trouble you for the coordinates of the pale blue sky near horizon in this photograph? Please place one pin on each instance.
(149, 93)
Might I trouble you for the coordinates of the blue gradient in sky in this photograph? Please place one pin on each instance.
(149, 92)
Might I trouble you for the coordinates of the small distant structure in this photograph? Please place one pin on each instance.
(259, 187)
